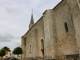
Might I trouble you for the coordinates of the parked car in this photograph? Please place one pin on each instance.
(6, 58)
(12, 58)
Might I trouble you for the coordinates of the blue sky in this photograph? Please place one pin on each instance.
(15, 17)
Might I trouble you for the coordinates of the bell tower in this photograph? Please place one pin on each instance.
(32, 21)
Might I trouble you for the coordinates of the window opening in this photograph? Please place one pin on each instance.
(66, 27)
(30, 48)
(42, 47)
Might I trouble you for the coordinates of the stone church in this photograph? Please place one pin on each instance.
(56, 35)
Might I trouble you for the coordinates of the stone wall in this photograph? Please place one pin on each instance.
(50, 35)
(75, 12)
(33, 40)
(59, 29)
(23, 46)
(67, 44)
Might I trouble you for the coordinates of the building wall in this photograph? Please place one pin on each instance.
(23, 46)
(59, 29)
(75, 7)
(66, 40)
(33, 40)
(50, 35)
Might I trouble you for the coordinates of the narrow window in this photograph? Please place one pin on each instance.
(42, 44)
(42, 47)
(66, 27)
(30, 48)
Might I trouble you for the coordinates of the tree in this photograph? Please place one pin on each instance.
(6, 48)
(17, 51)
(2, 53)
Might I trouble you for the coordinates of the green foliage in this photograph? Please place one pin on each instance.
(6, 48)
(17, 51)
(2, 52)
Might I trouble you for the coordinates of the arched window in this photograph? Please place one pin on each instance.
(66, 27)
(30, 48)
(42, 47)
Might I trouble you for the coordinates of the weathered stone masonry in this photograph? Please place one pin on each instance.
(56, 35)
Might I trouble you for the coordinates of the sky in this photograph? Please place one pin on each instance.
(15, 17)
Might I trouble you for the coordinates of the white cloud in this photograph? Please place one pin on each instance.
(6, 37)
(15, 17)
(18, 42)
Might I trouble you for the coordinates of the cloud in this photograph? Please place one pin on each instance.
(15, 17)
(6, 37)
(18, 43)
(13, 9)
